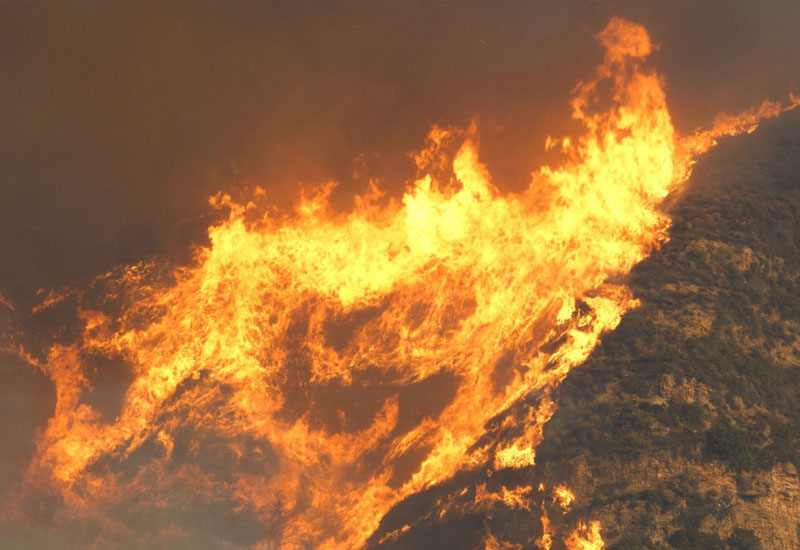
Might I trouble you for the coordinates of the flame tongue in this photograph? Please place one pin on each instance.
(340, 363)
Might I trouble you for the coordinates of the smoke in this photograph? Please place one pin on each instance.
(119, 121)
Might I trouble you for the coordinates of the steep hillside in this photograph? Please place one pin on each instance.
(681, 430)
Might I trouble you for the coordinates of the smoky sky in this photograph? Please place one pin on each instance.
(118, 121)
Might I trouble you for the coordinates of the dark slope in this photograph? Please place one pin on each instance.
(682, 430)
(684, 422)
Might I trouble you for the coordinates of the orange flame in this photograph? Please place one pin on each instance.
(545, 542)
(564, 496)
(516, 498)
(585, 537)
(356, 358)
(491, 542)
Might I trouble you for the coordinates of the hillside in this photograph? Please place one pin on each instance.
(681, 430)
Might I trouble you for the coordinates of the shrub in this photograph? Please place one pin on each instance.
(725, 442)
(743, 539)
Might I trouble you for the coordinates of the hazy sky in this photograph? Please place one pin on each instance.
(119, 121)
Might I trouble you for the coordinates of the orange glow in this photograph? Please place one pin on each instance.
(585, 537)
(521, 452)
(490, 542)
(545, 542)
(516, 498)
(308, 342)
(729, 125)
(564, 496)
(6, 302)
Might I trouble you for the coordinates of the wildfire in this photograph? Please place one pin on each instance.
(336, 363)
(585, 537)
(564, 496)
(517, 498)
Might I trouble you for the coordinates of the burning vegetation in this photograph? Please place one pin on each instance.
(317, 368)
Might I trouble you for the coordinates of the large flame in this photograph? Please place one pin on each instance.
(342, 362)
